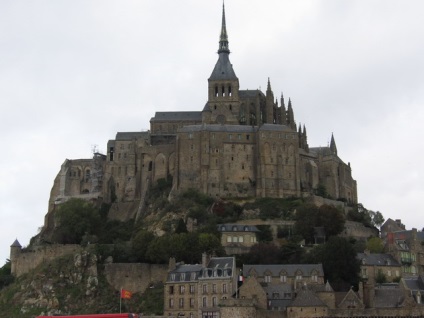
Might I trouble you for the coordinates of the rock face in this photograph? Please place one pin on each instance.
(52, 289)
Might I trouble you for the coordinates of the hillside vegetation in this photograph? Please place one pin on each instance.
(76, 283)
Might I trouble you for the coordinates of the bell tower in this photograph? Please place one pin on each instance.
(223, 86)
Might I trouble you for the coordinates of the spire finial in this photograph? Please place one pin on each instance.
(223, 39)
(333, 146)
(268, 88)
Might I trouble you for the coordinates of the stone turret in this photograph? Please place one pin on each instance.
(15, 251)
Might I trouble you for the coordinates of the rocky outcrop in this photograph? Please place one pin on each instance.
(50, 289)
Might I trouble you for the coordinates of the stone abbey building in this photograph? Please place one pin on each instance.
(243, 143)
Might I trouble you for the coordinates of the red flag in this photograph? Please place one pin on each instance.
(125, 294)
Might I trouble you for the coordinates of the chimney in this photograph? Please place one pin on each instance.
(172, 264)
(205, 259)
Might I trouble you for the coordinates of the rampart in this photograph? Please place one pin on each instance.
(26, 260)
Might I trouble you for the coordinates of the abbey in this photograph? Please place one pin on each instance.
(243, 143)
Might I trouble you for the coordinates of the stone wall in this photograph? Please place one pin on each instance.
(135, 277)
(26, 260)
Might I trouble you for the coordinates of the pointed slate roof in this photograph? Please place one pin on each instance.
(16, 244)
(306, 298)
(223, 68)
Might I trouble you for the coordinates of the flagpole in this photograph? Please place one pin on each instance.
(120, 300)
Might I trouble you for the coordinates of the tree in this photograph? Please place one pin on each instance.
(375, 245)
(264, 234)
(331, 219)
(306, 220)
(377, 219)
(380, 277)
(341, 267)
(76, 217)
(158, 251)
(210, 244)
(181, 227)
(140, 244)
(263, 253)
(291, 253)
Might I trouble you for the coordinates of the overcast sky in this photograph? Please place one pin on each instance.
(73, 73)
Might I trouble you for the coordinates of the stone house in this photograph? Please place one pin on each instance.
(195, 290)
(295, 275)
(374, 264)
(407, 248)
(237, 238)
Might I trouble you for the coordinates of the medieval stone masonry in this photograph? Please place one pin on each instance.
(243, 143)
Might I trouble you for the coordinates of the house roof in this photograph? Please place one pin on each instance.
(388, 297)
(289, 269)
(377, 259)
(237, 228)
(221, 262)
(414, 283)
(184, 273)
(307, 298)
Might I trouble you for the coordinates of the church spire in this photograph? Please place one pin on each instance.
(333, 146)
(223, 39)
